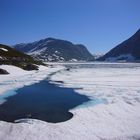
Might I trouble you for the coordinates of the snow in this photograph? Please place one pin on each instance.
(50, 41)
(115, 117)
(56, 56)
(4, 49)
(73, 60)
(119, 117)
(61, 58)
(36, 52)
(57, 52)
(98, 55)
(19, 77)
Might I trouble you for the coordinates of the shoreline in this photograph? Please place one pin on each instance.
(19, 78)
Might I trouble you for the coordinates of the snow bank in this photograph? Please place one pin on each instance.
(119, 116)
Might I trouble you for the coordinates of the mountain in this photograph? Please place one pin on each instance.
(11, 56)
(128, 50)
(51, 49)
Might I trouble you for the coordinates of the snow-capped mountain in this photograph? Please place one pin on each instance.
(51, 49)
(128, 50)
(97, 55)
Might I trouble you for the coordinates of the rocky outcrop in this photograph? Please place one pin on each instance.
(2, 71)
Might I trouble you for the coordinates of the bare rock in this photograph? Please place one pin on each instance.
(2, 71)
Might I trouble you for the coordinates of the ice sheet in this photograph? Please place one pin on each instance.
(117, 119)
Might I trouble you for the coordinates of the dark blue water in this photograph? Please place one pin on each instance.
(43, 101)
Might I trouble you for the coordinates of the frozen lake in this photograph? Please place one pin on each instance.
(96, 101)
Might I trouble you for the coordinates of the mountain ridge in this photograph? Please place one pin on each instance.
(128, 50)
(52, 49)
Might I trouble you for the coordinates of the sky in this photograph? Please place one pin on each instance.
(98, 24)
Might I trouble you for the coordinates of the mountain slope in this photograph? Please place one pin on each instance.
(11, 56)
(128, 50)
(51, 49)
(7, 52)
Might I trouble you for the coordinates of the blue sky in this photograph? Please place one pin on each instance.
(98, 24)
